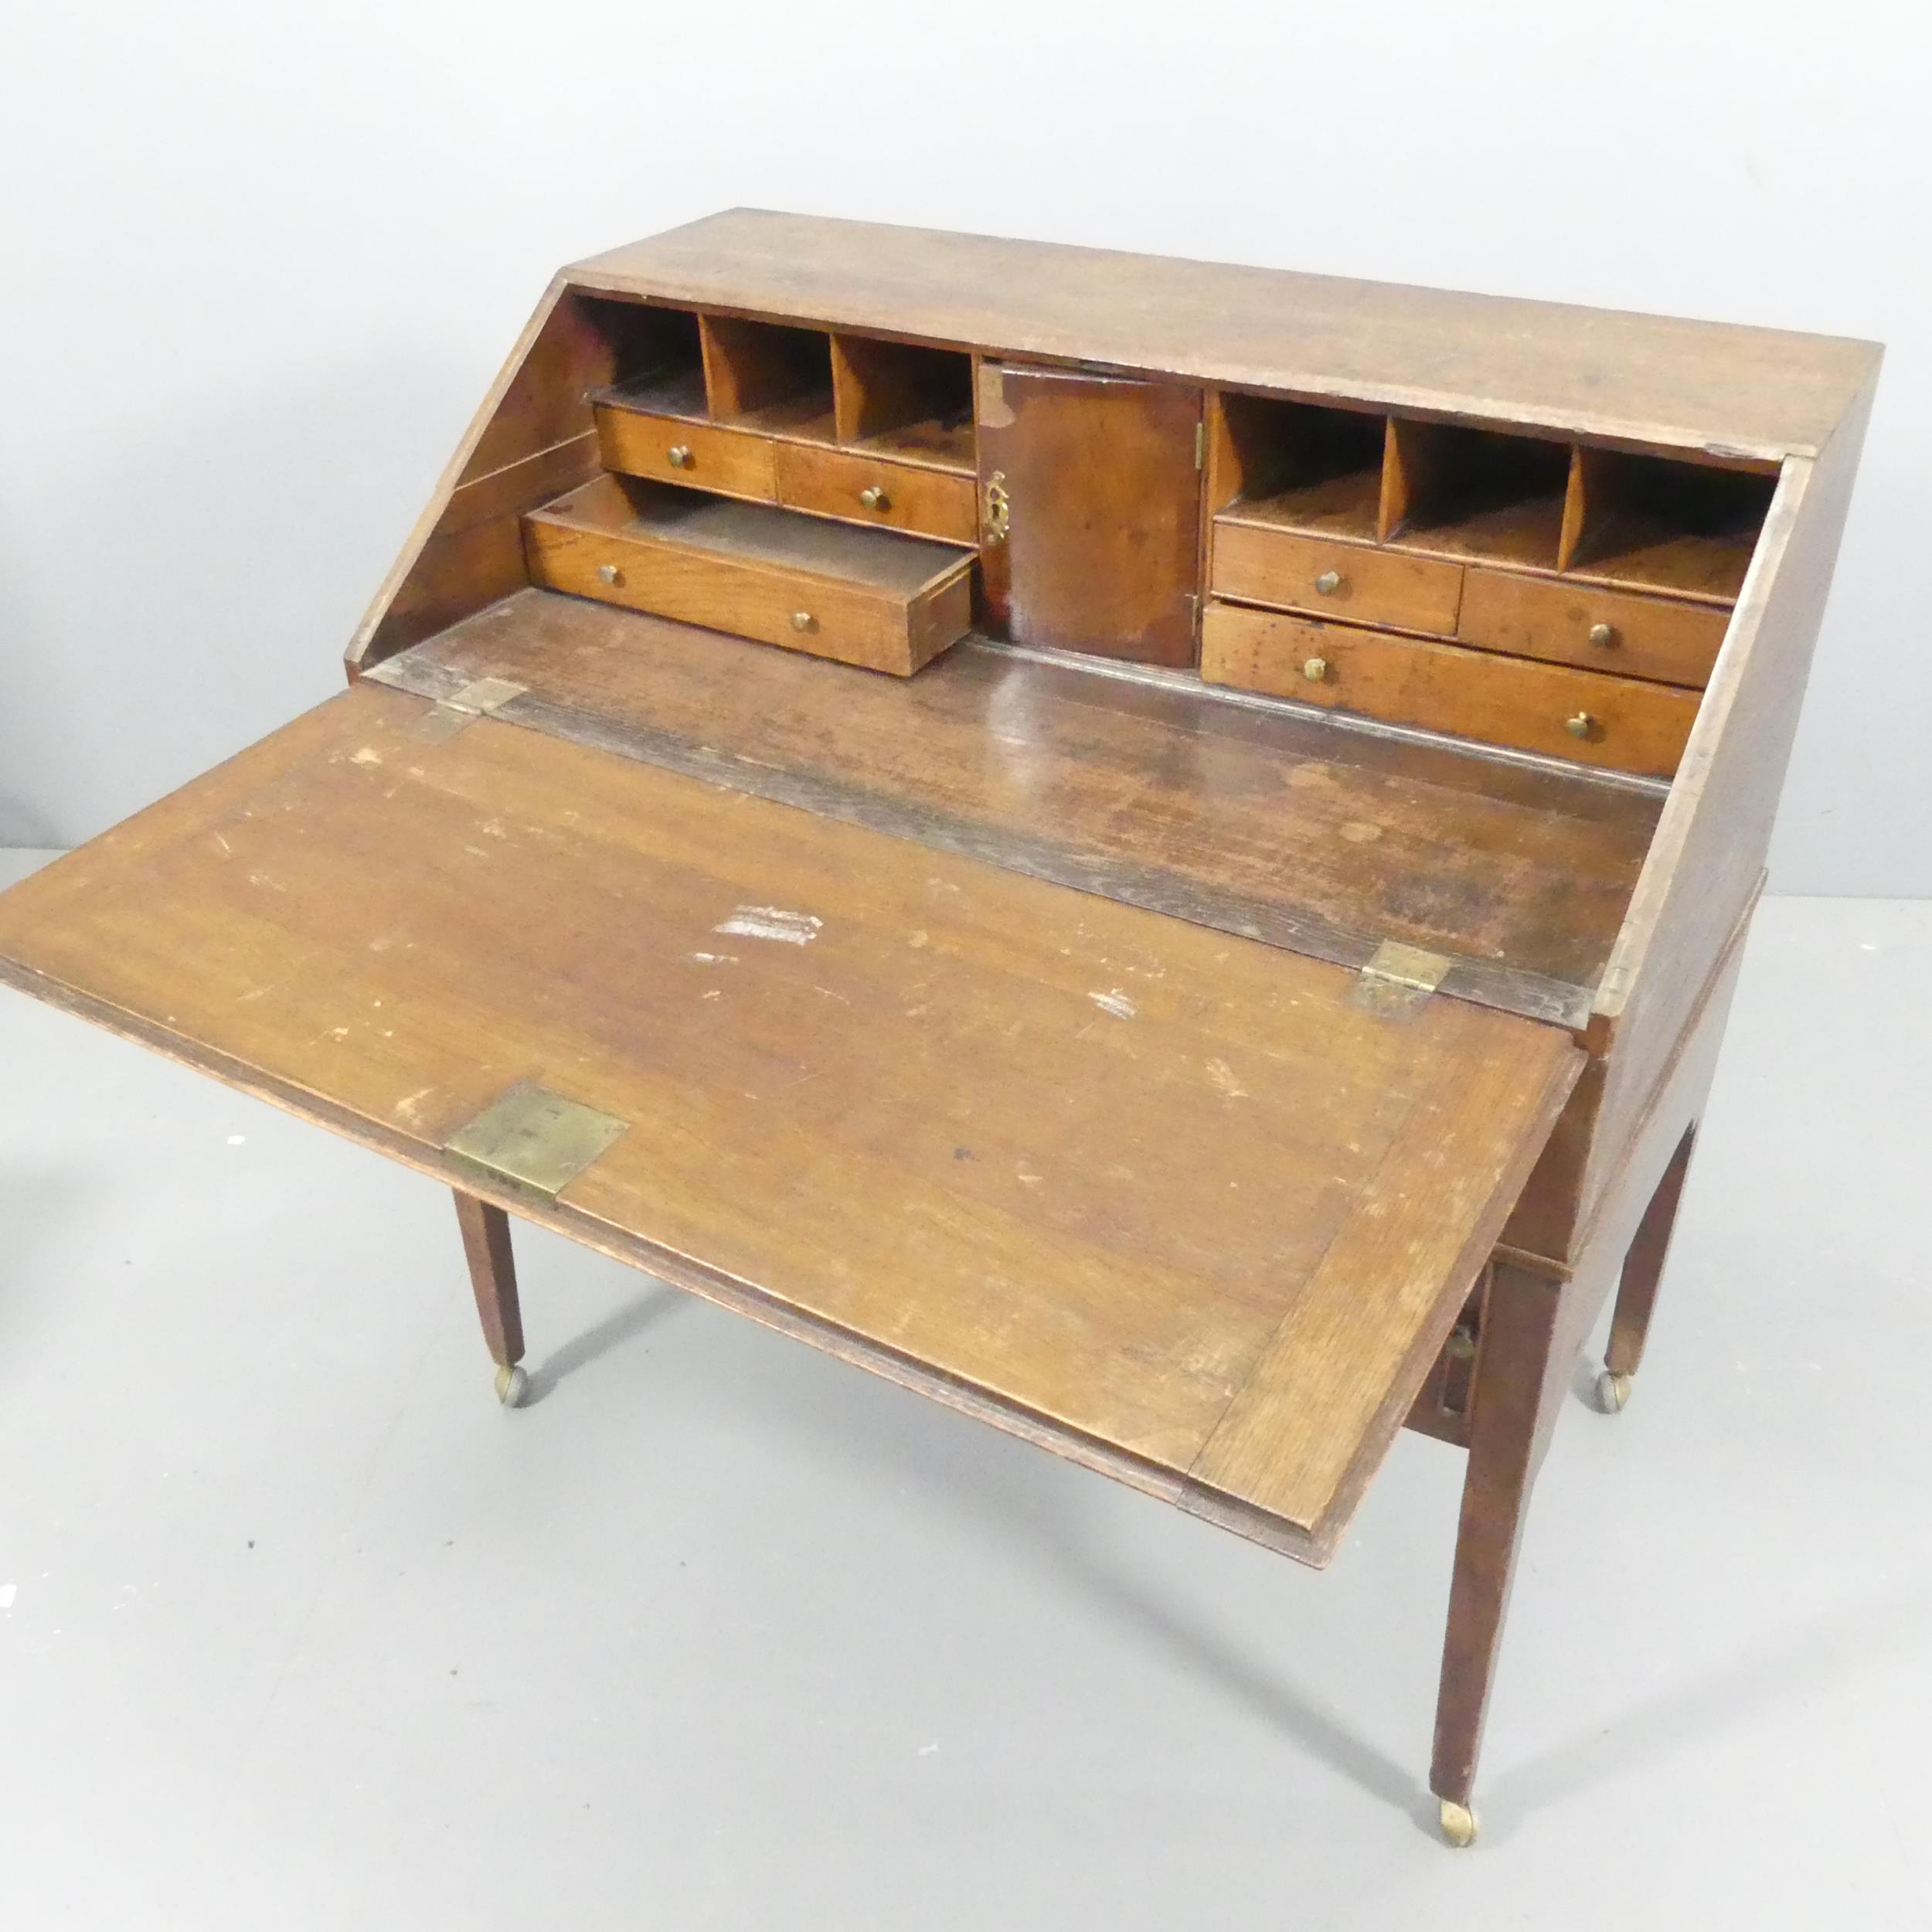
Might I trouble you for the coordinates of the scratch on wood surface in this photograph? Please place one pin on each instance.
(1115, 1003)
(715, 959)
(1222, 1077)
(410, 1106)
(771, 922)
(369, 755)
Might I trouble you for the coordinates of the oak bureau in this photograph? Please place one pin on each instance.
(1158, 852)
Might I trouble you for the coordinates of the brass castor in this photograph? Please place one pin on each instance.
(511, 1383)
(1613, 1391)
(1459, 1824)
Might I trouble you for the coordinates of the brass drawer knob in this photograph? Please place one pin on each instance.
(678, 456)
(609, 573)
(1582, 725)
(1316, 669)
(1603, 635)
(1328, 583)
(803, 621)
(874, 498)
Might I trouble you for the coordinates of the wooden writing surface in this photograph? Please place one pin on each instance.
(1081, 1161)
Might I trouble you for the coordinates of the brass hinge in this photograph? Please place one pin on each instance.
(480, 698)
(534, 1138)
(1200, 445)
(1398, 978)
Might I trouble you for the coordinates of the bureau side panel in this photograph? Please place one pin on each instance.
(1707, 861)
(533, 439)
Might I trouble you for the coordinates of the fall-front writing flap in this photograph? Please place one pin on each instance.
(1187, 1206)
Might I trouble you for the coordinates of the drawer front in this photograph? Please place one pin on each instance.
(852, 623)
(1335, 579)
(1610, 630)
(861, 489)
(674, 451)
(1580, 715)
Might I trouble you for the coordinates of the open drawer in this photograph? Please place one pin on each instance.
(1186, 1207)
(872, 598)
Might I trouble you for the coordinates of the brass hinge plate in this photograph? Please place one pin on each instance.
(1399, 978)
(478, 699)
(1200, 445)
(534, 1138)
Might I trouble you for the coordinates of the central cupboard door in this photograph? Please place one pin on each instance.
(1096, 483)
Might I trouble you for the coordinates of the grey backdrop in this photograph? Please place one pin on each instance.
(261, 267)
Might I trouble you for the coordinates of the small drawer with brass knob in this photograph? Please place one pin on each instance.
(1667, 640)
(864, 489)
(876, 598)
(1262, 563)
(1584, 717)
(704, 456)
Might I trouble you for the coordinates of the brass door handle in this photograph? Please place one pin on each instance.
(874, 498)
(1315, 670)
(679, 456)
(1328, 583)
(1582, 725)
(1603, 635)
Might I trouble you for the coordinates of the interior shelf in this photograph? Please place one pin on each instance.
(769, 377)
(1296, 466)
(656, 361)
(1654, 523)
(1480, 494)
(904, 401)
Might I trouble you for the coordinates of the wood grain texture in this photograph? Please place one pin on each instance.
(869, 598)
(492, 1264)
(1278, 1445)
(916, 402)
(1079, 1161)
(1683, 531)
(1706, 864)
(1280, 826)
(1640, 379)
(1519, 1381)
(1294, 572)
(926, 502)
(1633, 727)
(1548, 617)
(528, 440)
(1103, 551)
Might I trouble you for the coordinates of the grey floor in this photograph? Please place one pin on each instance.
(298, 1629)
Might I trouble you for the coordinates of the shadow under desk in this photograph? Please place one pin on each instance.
(1246, 815)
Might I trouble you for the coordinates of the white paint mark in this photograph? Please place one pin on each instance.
(1222, 1075)
(238, 1140)
(714, 994)
(262, 879)
(224, 844)
(771, 922)
(715, 959)
(410, 1105)
(7, 1592)
(1116, 1002)
(369, 755)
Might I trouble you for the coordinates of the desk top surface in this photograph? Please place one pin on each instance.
(1247, 816)
(1647, 379)
(1115, 1177)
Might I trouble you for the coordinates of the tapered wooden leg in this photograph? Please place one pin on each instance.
(1517, 1381)
(486, 1242)
(1643, 1267)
